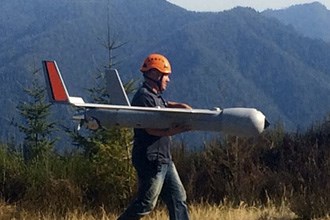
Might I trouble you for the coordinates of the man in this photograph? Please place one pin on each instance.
(151, 156)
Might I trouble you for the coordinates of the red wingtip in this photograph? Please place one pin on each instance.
(58, 90)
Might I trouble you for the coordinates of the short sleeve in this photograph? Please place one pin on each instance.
(144, 100)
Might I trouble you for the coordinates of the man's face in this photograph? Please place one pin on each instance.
(158, 76)
(164, 82)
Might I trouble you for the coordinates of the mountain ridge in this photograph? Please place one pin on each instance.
(235, 58)
(311, 19)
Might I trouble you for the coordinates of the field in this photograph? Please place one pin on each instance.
(197, 211)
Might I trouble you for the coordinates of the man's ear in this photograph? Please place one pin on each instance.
(155, 74)
(160, 76)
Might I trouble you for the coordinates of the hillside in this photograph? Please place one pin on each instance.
(226, 59)
(311, 20)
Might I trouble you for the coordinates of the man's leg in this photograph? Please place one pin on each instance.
(150, 186)
(174, 195)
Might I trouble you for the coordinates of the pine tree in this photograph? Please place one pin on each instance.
(35, 124)
(111, 177)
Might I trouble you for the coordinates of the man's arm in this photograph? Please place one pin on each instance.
(171, 131)
(168, 132)
(171, 104)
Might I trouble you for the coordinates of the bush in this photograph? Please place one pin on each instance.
(275, 166)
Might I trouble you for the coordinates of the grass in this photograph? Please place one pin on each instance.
(197, 212)
(227, 212)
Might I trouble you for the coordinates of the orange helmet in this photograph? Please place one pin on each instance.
(156, 61)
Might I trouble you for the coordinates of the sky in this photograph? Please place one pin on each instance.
(259, 5)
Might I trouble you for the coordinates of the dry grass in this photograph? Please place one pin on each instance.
(197, 212)
(243, 212)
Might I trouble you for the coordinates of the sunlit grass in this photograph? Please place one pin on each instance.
(197, 212)
(226, 212)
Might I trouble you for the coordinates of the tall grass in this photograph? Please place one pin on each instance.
(233, 175)
(197, 212)
(275, 166)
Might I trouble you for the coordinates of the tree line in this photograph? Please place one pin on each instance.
(276, 166)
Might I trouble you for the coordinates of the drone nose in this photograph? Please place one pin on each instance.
(267, 123)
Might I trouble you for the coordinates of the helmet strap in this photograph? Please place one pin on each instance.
(158, 82)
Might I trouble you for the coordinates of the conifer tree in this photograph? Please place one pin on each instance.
(35, 124)
(112, 178)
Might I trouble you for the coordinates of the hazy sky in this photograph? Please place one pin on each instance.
(259, 5)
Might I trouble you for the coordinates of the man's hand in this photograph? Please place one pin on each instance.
(178, 105)
(175, 129)
(169, 132)
(178, 129)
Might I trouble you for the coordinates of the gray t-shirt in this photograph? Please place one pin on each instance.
(149, 148)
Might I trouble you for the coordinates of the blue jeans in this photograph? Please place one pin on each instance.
(156, 180)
